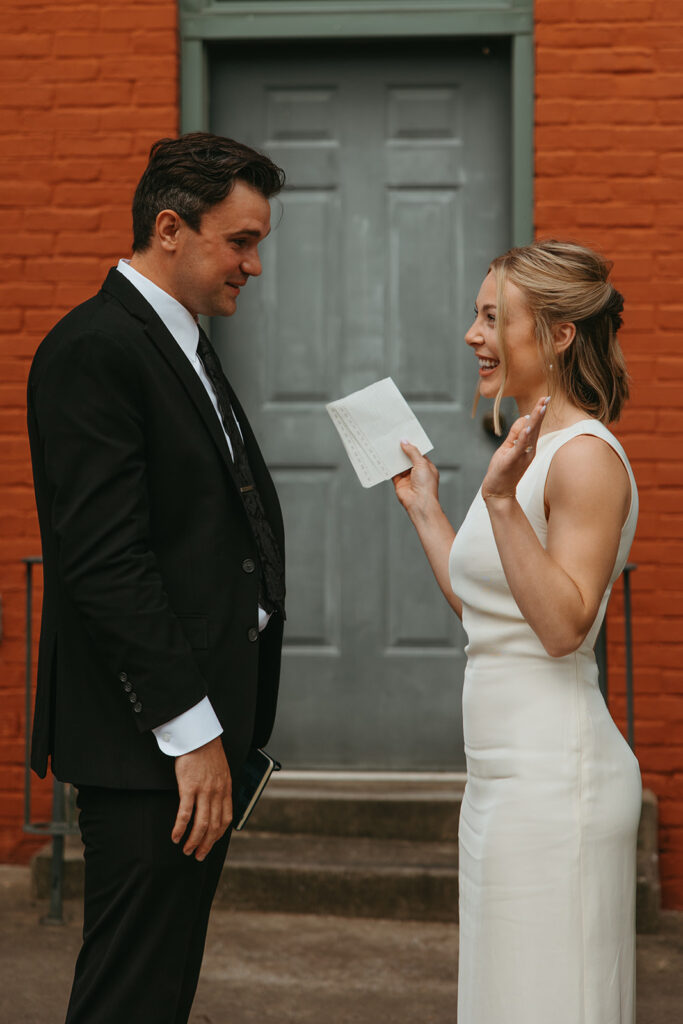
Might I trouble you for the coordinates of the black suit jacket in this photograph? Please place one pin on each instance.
(150, 591)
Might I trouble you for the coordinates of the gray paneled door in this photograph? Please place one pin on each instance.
(397, 162)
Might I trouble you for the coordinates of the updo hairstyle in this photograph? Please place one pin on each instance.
(566, 283)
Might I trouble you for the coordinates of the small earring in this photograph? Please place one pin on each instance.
(550, 366)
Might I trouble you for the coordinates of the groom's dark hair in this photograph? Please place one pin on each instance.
(191, 174)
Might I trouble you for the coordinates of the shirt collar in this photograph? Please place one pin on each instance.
(178, 320)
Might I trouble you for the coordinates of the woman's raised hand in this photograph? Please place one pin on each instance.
(511, 460)
(418, 487)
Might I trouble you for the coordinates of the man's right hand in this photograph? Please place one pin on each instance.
(205, 790)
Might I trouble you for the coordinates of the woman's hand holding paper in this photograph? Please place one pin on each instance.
(417, 489)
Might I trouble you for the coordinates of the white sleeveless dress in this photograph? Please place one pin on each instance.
(550, 814)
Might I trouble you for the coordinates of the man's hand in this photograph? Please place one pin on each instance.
(205, 790)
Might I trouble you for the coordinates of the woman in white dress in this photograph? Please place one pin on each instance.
(552, 802)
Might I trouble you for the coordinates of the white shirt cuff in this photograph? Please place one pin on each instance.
(195, 727)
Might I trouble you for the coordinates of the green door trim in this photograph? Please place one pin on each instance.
(203, 22)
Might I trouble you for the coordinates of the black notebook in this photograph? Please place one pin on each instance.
(258, 768)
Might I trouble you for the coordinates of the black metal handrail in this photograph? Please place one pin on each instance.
(628, 640)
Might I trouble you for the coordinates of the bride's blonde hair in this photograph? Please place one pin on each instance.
(566, 283)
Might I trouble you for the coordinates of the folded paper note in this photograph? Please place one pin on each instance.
(372, 423)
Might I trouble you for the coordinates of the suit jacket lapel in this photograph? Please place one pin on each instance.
(118, 286)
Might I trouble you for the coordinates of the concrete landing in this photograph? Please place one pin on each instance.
(265, 968)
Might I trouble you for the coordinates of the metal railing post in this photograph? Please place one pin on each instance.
(28, 563)
(55, 914)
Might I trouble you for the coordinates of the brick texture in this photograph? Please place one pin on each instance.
(85, 87)
(609, 164)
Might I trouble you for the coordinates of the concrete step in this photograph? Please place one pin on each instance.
(347, 844)
(358, 877)
(382, 806)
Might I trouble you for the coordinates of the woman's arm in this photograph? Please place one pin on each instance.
(558, 589)
(418, 491)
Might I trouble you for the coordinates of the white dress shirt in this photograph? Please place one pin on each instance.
(199, 724)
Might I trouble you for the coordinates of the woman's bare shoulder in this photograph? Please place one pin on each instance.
(587, 469)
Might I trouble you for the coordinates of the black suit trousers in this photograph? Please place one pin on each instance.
(146, 910)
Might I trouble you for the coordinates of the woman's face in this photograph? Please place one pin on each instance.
(526, 376)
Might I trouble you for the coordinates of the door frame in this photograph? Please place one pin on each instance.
(202, 22)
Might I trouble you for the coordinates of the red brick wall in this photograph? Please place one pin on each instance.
(609, 172)
(85, 87)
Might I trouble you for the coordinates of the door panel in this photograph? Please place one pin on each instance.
(397, 162)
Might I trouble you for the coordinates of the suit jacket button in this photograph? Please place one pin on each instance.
(128, 686)
(137, 707)
(123, 676)
(248, 565)
(253, 634)
(132, 697)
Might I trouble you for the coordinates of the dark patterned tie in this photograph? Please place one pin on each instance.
(272, 593)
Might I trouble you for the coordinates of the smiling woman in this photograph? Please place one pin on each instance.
(551, 807)
(556, 297)
(508, 360)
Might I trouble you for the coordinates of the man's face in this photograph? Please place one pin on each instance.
(210, 266)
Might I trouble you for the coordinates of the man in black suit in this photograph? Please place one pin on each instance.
(163, 576)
